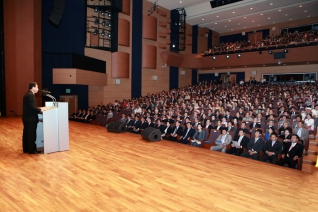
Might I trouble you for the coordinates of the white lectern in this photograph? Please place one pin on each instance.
(53, 131)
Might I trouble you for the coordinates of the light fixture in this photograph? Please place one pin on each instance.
(96, 21)
(214, 58)
(109, 35)
(173, 45)
(95, 31)
(227, 56)
(102, 12)
(109, 24)
(109, 14)
(96, 9)
(286, 50)
(103, 33)
(104, 23)
(238, 55)
(270, 52)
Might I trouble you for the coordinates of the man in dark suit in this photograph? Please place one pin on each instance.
(254, 146)
(242, 140)
(129, 124)
(30, 119)
(160, 126)
(271, 149)
(291, 153)
(187, 133)
(176, 131)
(255, 124)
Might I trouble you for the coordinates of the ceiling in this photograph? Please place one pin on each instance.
(244, 14)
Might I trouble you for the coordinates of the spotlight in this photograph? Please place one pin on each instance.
(286, 50)
(109, 14)
(109, 24)
(173, 46)
(260, 52)
(213, 57)
(96, 9)
(239, 55)
(279, 62)
(104, 23)
(227, 56)
(102, 12)
(96, 21)
(270, 52)
(96, 32)
(103, 33)
(109, 35)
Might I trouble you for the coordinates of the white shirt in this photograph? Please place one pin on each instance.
(310, 122)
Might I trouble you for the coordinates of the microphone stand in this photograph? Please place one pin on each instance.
(52, 97)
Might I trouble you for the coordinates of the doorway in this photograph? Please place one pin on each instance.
(72, 102)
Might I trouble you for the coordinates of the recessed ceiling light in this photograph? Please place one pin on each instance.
(279, 10)
(300, 5)
(253, 21)
(308, 16)
(216, 23)
(225, 26)
(244, 17)
(271, 4)
(284, 64)
(229, 20)
(217, 16)
(245, 66)
(228, 67)
(273, 22)
(269, 18)
(213, 68)
(202, 19)
(290, 19)
(244, 27)
(258, 25)
(232, 29)
(261, 13)
(233, 12)
(286, 14)
(180, 2)
(263, 65)
(238, 24)
(212, 28)
(251, 8)
(305, 11)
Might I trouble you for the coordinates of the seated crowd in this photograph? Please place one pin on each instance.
(270, 40)
(259, 121)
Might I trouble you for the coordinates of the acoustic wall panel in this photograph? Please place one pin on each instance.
(120, 65)
(149, 28)
(123, 32)
(126, 7)
(149, 55)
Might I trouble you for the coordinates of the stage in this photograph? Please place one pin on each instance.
(122, 172)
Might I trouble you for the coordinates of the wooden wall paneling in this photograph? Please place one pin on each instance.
(162, 34)
(149, 27)
(126, 7)
(162, 45)
(168, 20)
(149, 53)
(78, 77)
(168, 42)
(168, 31)
(123, 32)
(162, 24)
(120, 65)
(162, 13)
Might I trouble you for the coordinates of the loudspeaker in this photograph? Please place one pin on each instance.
(57, 12)
(116, 127)
(151, 134)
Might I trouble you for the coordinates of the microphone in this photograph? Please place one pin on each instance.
(44, 91)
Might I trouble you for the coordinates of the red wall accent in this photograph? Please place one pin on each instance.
(123, 32)
(149, 54)
(22, 27)
(120, 65)
(126, 7)
(149, 27)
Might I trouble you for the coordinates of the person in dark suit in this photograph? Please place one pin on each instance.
(167, 131)
(291, 153)
(177, 130)
(242, 140)
(160, 126)
(255, 124)
(143, 125)
(129, 124)
(188, 132)
(254, 146)
(30, 119)
(271, 149)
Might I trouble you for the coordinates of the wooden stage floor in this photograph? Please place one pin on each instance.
(122, 172)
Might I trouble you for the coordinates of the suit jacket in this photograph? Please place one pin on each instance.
(244, 140)
(130, 123)
(30, 110)
(276, 148)
(304, 133)
(143, 125)
(122, 120)
(190, 133)
(257, 125)
(179, 130)
(199, 135)
(296, 150)
(258, 146)
(227, 140)
(136, 124)
(161, 128)
(169, 130)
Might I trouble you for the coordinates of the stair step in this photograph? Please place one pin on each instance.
(312, 152)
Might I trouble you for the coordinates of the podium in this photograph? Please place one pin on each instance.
(53, 129)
